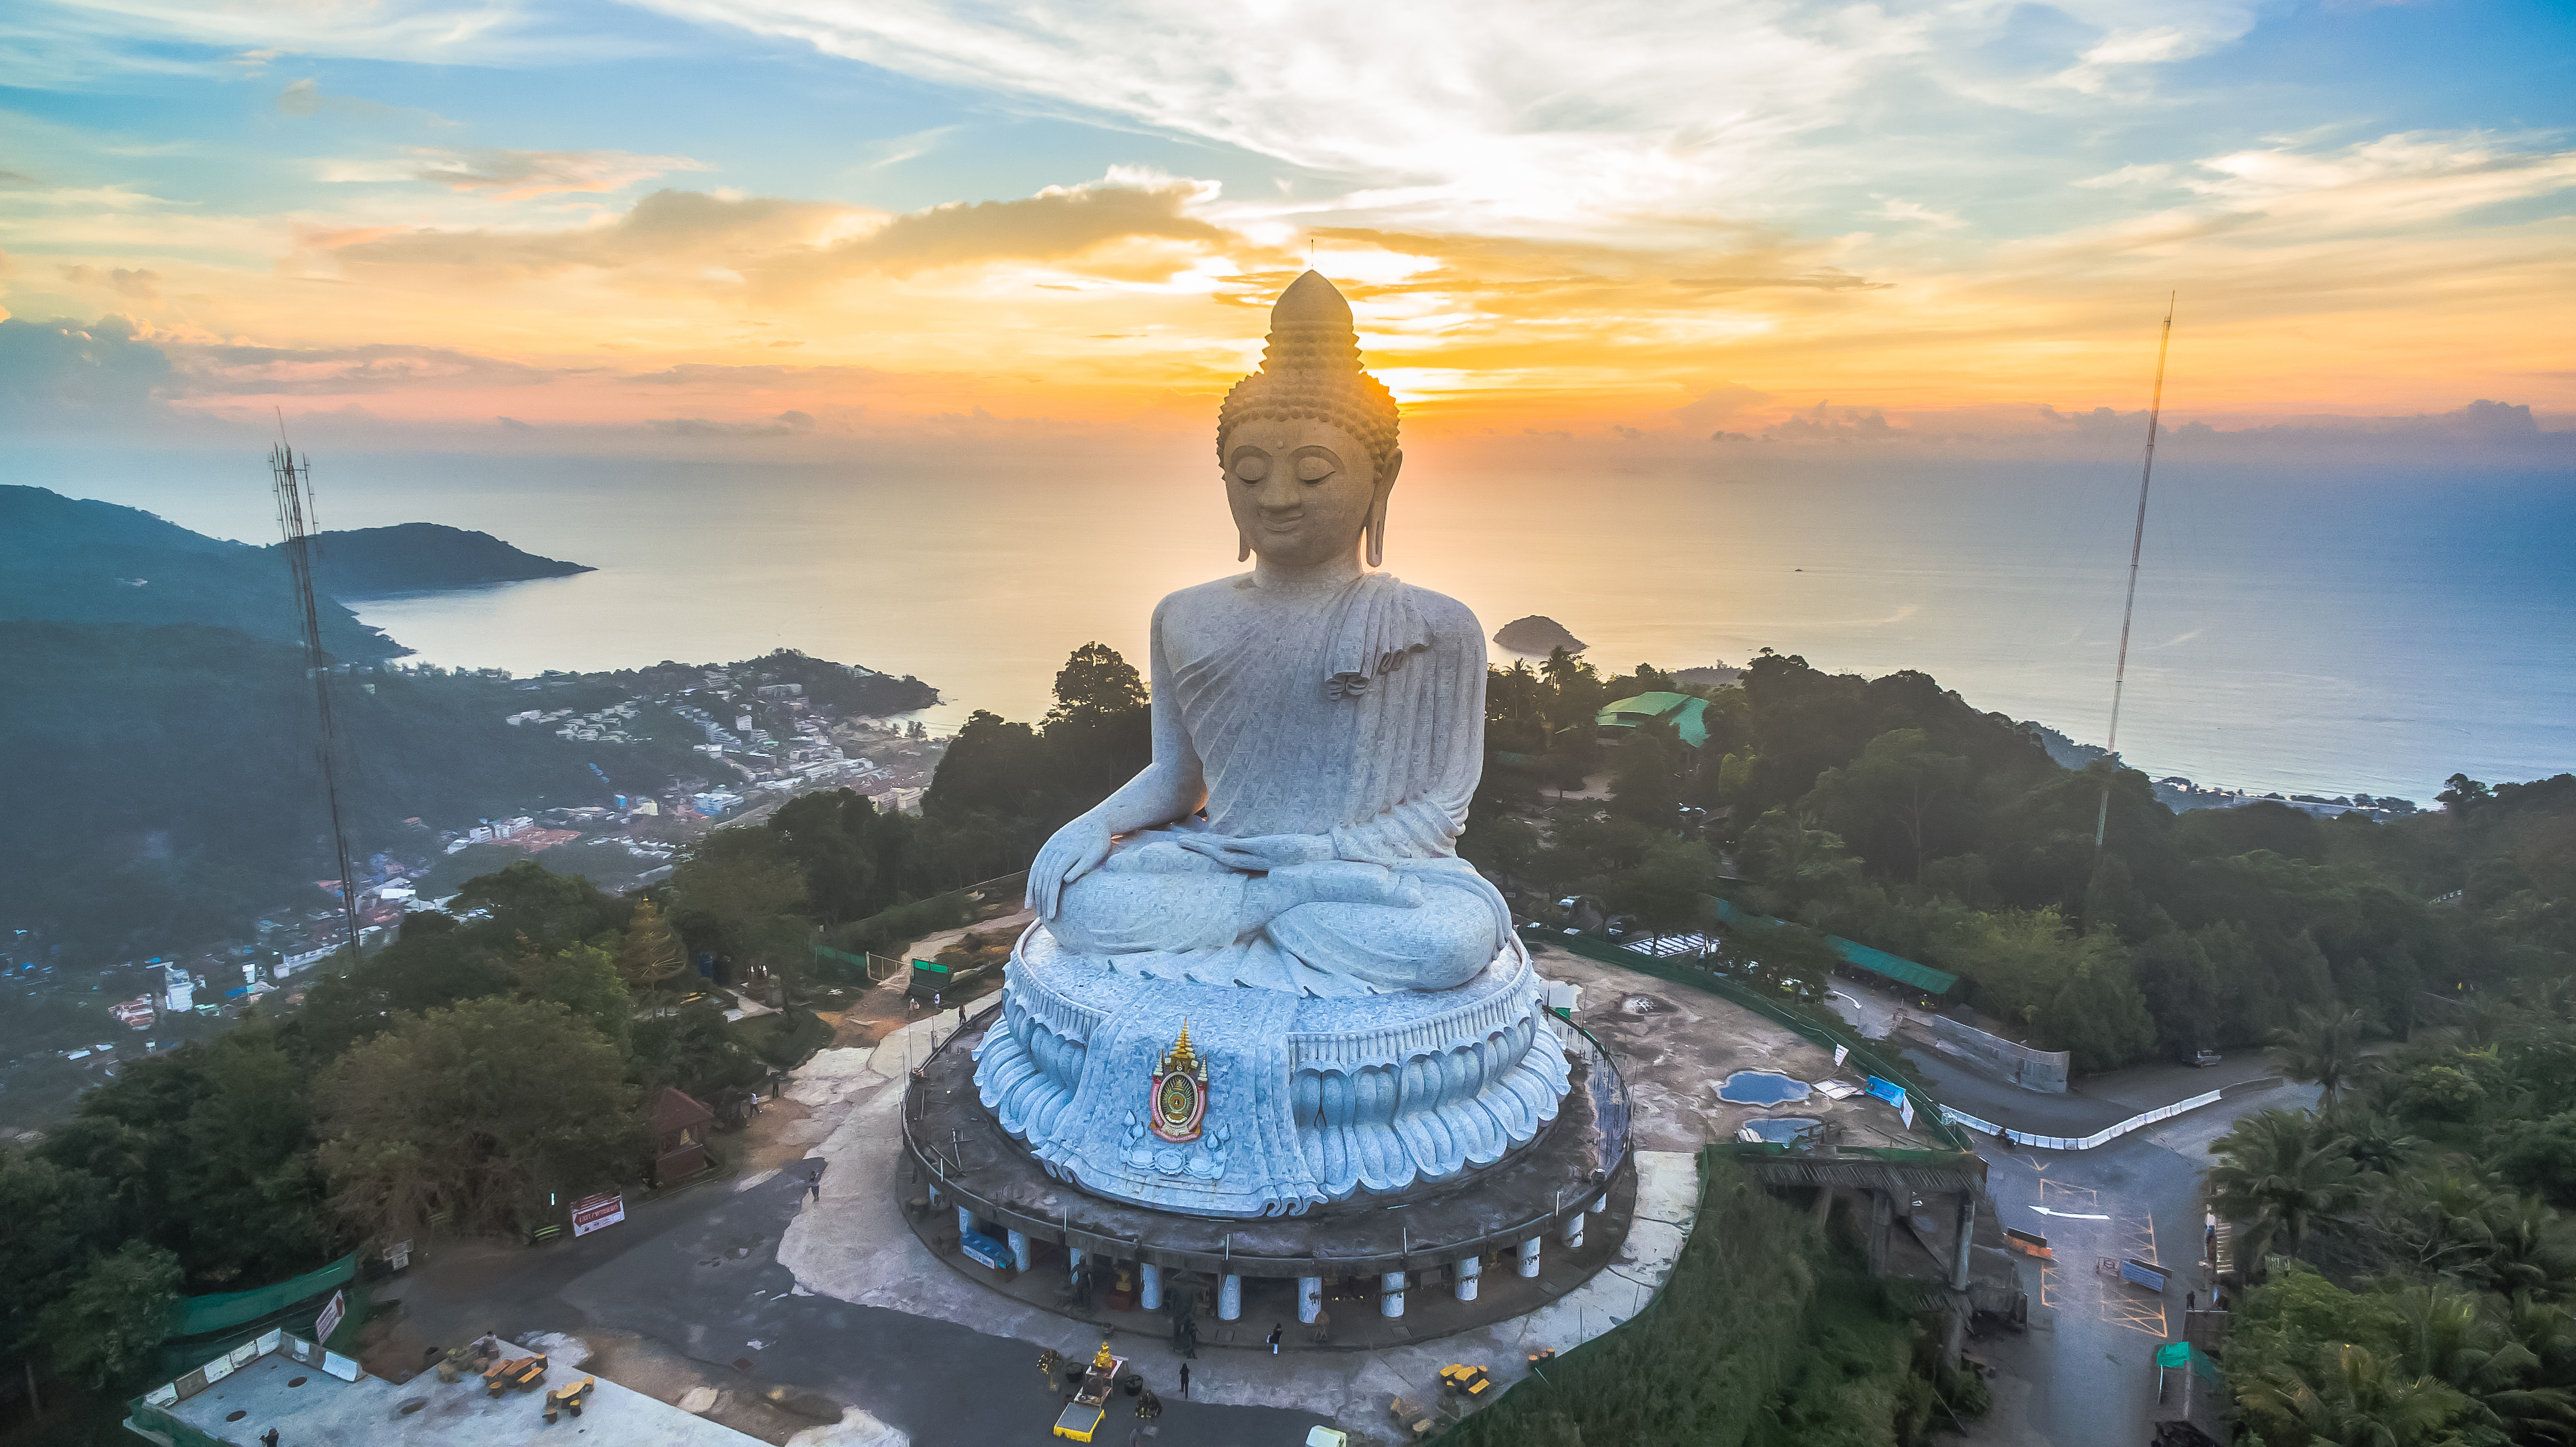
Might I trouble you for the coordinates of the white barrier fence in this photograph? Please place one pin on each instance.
(2069, 1143)
(2039, 1070)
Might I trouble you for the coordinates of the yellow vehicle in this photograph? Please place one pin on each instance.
(1082, 1416)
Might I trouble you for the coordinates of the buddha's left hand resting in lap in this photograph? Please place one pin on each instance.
(1327, 721)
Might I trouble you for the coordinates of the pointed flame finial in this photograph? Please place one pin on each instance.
(1183, 1057)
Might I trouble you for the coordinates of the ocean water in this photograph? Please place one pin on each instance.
(2319, 632)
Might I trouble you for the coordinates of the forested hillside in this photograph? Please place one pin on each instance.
(76, 561)
(410, 557)
(1893, 812)
(170, 778)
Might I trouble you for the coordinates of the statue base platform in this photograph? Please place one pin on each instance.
(1233, 1101)
(1572, 1182)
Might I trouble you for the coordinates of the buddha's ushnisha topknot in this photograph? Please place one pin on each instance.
(1311, 369)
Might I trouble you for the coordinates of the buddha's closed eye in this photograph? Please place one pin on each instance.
(1252, 466)
(1315, 468)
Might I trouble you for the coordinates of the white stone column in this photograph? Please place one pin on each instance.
(1019, 1244)
(1467, 1273)
(1529, 1256)
(1310, 1299)
(1229, 1298)
(1149, 1280)
(1574, 1230)
(1390, 1294)
(965, 1220)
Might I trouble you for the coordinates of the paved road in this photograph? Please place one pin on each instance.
(699, 1273)
(944, 1385)
(2084, 1375)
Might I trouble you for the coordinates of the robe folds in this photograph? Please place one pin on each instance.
(1340, 737)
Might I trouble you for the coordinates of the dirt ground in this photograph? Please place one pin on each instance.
(866, 1016)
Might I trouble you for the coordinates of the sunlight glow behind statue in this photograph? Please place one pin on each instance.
(1329, 720)
(1261, 977)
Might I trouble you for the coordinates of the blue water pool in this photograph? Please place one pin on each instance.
(1761, 1087)
(1781, 1129)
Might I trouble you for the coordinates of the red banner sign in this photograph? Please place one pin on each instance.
(592, 1212)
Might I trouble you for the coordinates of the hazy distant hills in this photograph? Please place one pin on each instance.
(417, 557)
(1535, 635)
(69, 560)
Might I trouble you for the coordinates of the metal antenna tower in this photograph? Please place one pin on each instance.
(292, 479)
(2137, 541)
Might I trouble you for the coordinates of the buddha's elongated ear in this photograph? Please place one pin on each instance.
(1377, 508)
(1243, 545)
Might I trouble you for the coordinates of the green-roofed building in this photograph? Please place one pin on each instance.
(1688, 716)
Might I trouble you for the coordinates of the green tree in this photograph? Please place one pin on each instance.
(1668, 890)
(742, 887)
(1897, 785)
(1805, 866)
(481, 1111)
(584, 980)
(2466, 1343)
(2098, 1014)
(2277, 1177)
(52, 1214)
(693, 1049)
(2324, 1050)
(1100, 732)
(2349, 1397)
(103, 1330)
(650, 953)
(1646, 780)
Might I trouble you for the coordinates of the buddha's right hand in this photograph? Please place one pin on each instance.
(1077, 849)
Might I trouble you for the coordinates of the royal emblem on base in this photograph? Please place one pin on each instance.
(1180, 1091)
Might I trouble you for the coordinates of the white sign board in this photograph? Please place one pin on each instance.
(329, 1321)
(1905, 1108)
(1841, 1054)
(592, 1212)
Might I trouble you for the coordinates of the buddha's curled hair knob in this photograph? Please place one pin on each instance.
(1311, 369)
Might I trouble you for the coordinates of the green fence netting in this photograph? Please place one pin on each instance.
(1859, 956)
(197, 1315)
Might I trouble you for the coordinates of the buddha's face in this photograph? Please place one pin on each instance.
(1301, 491)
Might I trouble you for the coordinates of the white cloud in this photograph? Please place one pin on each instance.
(511, 175)
(1557, 115)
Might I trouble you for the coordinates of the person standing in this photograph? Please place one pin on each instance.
(1274, 1337)
(1185, 1379)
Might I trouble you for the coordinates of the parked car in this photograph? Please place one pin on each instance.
(2201, 1058)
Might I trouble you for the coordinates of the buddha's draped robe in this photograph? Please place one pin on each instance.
(1340, 737)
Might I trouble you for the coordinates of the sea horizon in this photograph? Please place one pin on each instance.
(2369, 631)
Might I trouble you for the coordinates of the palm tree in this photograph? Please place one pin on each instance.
(2531, 1249)
(2349, 1397)
(2323, 1050)
(2380, 1145)
(2467, 1344)
(2280, 1175)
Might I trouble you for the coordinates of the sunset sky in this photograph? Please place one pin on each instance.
(757, 220)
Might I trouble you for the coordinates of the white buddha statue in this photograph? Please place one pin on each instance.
(1262, 980)
(1318, 727)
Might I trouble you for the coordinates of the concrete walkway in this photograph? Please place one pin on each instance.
(851, 1244)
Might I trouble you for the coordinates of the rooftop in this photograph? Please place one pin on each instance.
(1686, 713)
(286, 1383)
